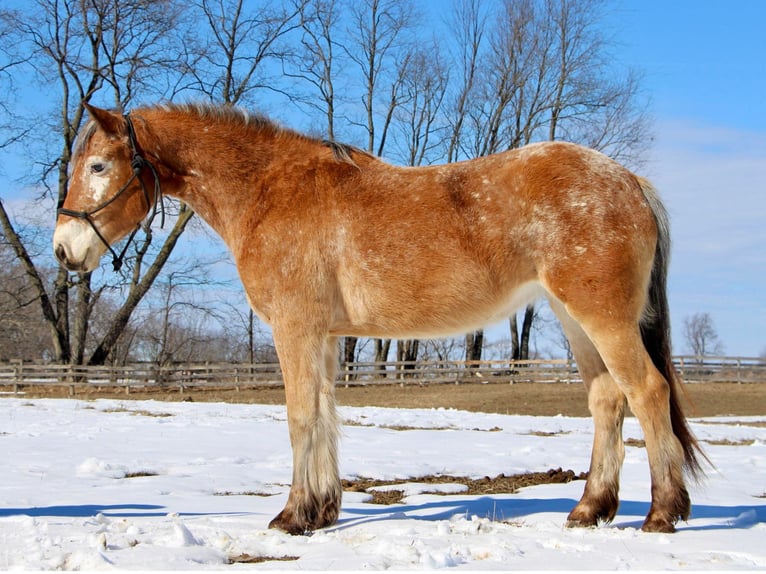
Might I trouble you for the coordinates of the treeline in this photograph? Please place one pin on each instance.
(415, 83)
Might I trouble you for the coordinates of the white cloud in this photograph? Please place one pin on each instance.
(713, 182)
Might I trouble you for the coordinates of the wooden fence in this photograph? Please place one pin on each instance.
(17, 374)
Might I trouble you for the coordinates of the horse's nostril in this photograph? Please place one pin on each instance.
(61, 253)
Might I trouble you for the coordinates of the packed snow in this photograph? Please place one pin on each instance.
(141, 485)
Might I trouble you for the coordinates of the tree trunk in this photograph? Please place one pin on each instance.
(382, 348)
(58, 326)
(474, 342)
(520, 341)
(60, 323)
(349, 350)
(515, 346)
(526, 330)
(83, 308)
(407, 350)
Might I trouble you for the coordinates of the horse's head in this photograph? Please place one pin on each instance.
(111, 190)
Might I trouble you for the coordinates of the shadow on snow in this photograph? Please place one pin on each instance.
(512, 510)
(493, 508)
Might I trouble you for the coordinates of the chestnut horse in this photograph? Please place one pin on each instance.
(330, 241)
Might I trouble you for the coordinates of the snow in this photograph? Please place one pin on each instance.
(190, 486)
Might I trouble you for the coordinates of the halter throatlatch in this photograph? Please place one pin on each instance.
(138, 163)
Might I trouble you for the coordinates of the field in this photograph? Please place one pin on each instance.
(172, 485)
(706, 399)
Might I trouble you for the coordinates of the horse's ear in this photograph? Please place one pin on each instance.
(112, 123)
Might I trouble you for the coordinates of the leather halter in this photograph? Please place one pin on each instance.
(138, 163)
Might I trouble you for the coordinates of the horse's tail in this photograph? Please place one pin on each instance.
(655, 332)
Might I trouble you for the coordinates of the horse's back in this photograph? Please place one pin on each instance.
(435, 250)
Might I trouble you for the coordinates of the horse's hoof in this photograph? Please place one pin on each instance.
(287, 523)
(658, 525)
(663, 517)
(582, 516)
(574, 523)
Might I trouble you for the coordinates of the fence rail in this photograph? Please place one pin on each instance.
(17, 374)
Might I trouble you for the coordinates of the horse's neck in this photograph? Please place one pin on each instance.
(207, 172)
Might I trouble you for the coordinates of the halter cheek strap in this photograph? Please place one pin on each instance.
(138, 163)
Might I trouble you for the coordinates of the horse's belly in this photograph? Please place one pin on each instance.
(440, 313)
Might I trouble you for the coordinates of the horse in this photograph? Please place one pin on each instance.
(331, 241)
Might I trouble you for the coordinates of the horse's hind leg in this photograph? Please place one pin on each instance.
(622, 350)
(649, 396)
(606, 403)
(309, 365)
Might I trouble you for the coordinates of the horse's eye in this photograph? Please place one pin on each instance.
(97, 167)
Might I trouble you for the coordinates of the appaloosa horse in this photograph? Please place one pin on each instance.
(330, 241)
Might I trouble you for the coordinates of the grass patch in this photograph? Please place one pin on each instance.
(140, 474)
(248, 559)
(501, 484)
(728, 442)
(386, 497)
(637, 442)
(351, 423)
(756, 424)
(245, 493)
(137, 412)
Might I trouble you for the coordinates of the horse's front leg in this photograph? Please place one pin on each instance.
(309, 365)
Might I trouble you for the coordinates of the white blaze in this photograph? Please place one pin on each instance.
(99, 182)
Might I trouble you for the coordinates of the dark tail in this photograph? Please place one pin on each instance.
(655, 332)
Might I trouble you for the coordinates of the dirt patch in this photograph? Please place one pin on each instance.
(248, 559)
(543, 399)
(245, 493)
(138, 413)
(756, 424)
(637, 442)
(728, 442)
(140, 474)
(501, 484)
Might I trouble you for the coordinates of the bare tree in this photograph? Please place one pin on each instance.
(376, 33)
(240, 40)
(114, 50)
(257, 347)
(452, 349)
(520, 71)
(81, 49)
(423, 89)
(545, 76)
(701, 335)
(315, 61)
(469, 25)
(22, 335)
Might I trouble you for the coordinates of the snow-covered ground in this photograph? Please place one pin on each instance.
(162, 486)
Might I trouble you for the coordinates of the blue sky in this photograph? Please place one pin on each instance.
(705, 70)
(704, 66)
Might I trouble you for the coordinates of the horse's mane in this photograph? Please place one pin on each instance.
(239, 116)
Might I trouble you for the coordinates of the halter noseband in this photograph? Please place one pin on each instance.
(138, 163)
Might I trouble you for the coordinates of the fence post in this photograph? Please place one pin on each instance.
(17, 375)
